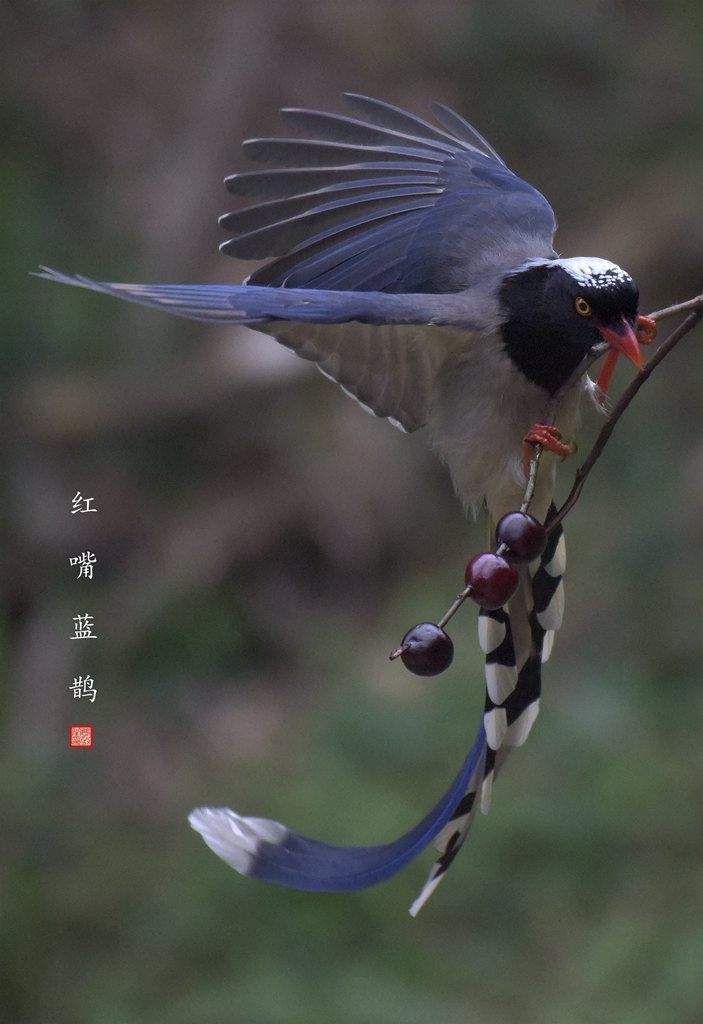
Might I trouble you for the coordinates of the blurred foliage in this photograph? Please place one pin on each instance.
(262, 544)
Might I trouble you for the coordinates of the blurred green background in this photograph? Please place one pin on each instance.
(262, 544)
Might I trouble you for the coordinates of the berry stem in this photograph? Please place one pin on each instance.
(531, 480)
(455, 606)
(398, 652)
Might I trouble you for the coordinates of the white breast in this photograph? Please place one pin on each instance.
(482, 409)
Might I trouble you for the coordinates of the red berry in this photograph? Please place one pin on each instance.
(524, 537)
(492, 579)
(426, 649)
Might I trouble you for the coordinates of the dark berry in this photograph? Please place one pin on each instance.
(523, 536)
(492, 579)
(426, 650)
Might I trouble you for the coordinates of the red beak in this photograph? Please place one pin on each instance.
(622, 338)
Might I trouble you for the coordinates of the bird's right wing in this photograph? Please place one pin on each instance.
(383, 202)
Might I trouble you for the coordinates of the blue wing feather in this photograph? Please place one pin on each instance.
(337, 128)
(394, 118)
(284, 182)
(252, 304)
(339, 220)
(462, 212)
(323, 201)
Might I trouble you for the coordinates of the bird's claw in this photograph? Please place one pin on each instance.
(646, 330)
(547, 437)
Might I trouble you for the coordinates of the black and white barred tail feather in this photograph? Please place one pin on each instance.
(513, 685)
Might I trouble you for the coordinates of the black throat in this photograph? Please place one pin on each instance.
(540, 333)
(540, 354)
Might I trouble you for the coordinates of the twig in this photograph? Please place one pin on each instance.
(680, 307)
(454, 606)
(626, 397)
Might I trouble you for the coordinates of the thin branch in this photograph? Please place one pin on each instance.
(627, 396)
(680, 307)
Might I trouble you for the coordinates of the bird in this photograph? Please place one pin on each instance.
(417, 271)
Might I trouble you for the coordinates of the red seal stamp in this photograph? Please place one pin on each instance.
(81, 735)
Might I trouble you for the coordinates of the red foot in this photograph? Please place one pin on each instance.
(548, 438)
(646, 330)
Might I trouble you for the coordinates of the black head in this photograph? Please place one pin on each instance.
(556, 311)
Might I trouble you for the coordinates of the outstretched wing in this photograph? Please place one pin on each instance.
(390, 203)
(384, 222)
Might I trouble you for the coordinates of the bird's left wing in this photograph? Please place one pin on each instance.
(384, 350)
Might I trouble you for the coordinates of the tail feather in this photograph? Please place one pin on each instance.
(513, 687)
(268, 850)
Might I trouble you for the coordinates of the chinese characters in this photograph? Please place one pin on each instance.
(81, 504)
(85, 562)
(83, 686)
(83, 627)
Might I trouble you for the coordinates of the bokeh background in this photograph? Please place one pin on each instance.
(262, 544)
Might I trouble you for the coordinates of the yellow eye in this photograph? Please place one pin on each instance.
(582, 307)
